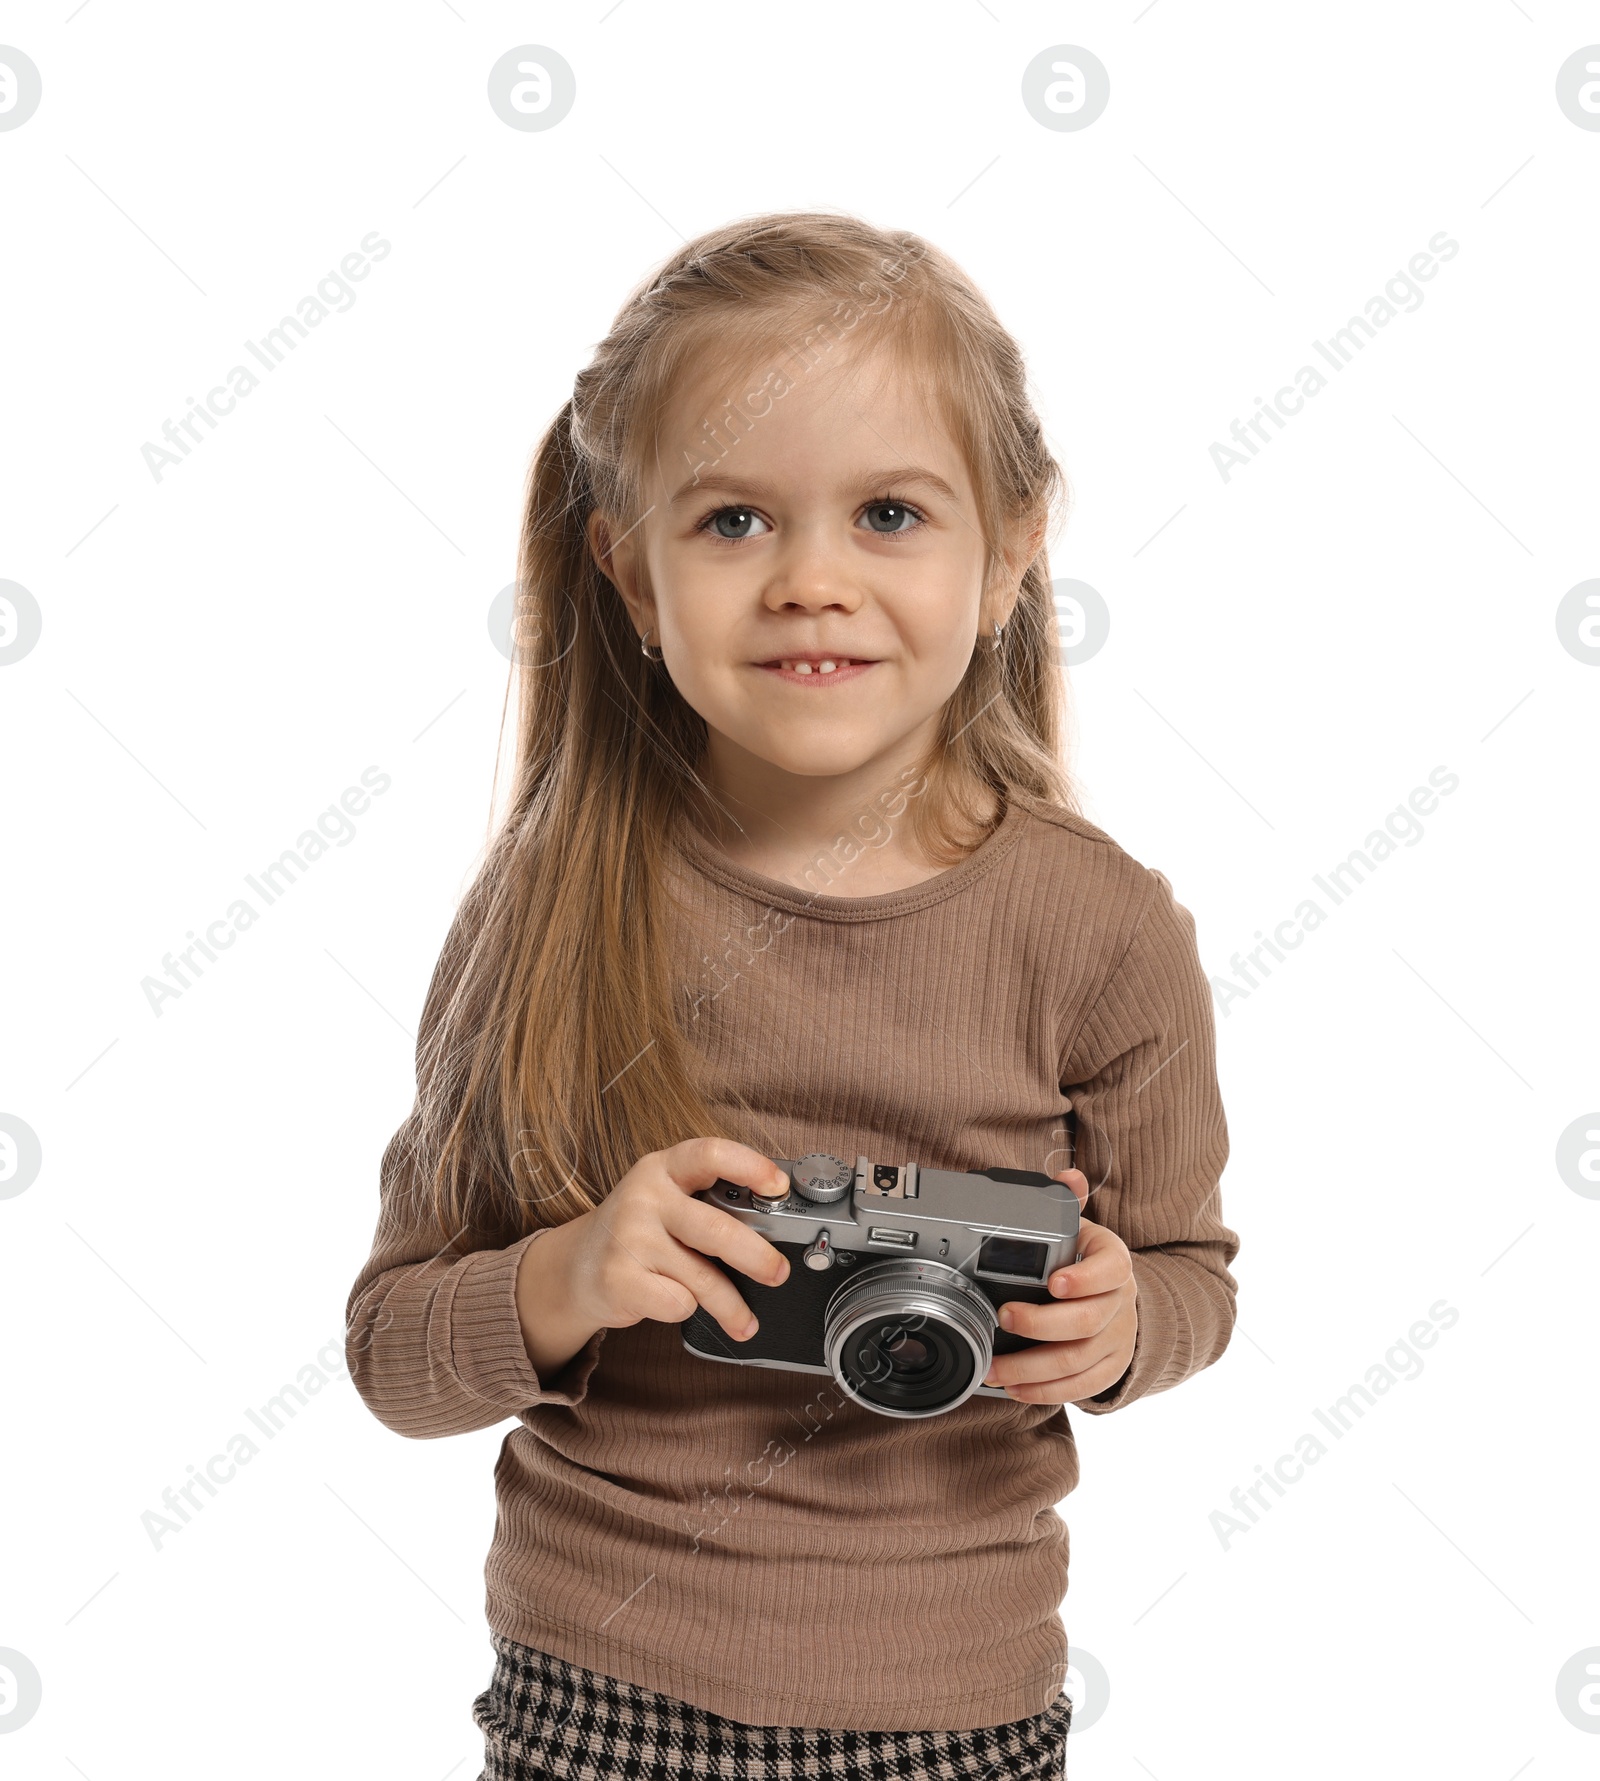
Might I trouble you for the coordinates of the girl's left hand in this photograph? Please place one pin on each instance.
(1085, 1344)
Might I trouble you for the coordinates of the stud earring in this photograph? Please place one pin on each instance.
(644, 649)
(999, 636)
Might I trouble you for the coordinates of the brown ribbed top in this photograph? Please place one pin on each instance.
(751, 1540)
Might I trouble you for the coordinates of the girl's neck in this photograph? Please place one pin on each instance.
(786, 848)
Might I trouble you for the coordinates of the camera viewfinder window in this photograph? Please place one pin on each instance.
(1014, 1256)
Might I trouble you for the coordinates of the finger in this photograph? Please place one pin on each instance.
(1103, 1264)
(666, 1235)
(1051, 1363)
(1065, 1320)
(710, 1290)
(1047, 1360)
(1078, 1182)
(668, 1280)
(697, 1162)
(708, 1230)
(1074, 1388)
(1066, 1391)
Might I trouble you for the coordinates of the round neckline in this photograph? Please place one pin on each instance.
(776, 893)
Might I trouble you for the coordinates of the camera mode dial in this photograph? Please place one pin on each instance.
(822, 1178)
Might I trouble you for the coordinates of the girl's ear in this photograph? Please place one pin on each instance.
(620, 565)
(1029, 543)
(598, 532)
(1025, 542)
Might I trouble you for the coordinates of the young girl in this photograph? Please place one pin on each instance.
(791, 865)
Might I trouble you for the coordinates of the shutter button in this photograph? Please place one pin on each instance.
(820, 1254)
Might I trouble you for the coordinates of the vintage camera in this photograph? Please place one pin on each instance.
(896, 1274)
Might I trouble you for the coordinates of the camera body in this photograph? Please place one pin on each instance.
(896, 1275)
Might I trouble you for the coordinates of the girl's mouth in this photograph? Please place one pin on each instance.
(812, 671)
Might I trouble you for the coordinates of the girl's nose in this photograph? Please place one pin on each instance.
(811, 574)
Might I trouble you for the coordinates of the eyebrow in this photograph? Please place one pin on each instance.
(726, 482)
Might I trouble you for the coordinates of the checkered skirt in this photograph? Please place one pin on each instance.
(544, 1719)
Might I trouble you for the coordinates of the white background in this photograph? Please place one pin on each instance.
(1291, 652)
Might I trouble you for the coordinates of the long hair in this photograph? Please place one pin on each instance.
(555, 1050)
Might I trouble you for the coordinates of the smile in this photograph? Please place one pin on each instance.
(813, 671)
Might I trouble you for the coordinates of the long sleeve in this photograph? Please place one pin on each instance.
(432, 1336)
(1152, 1139)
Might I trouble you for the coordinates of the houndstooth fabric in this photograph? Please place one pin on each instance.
(544, 1719)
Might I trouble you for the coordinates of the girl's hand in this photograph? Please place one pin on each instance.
(1085, 1344)
(641, 1252)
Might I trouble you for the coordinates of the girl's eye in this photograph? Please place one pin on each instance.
(733, 522)
(891, 516)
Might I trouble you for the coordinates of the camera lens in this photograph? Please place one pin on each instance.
(907, 1356)
(892, 1366)
(909, 1338)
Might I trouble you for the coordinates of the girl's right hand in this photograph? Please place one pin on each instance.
(641, 1253)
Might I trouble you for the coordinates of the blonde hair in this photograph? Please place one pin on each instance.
(554, 1047)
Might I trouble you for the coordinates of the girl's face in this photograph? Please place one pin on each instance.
(839, 527)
